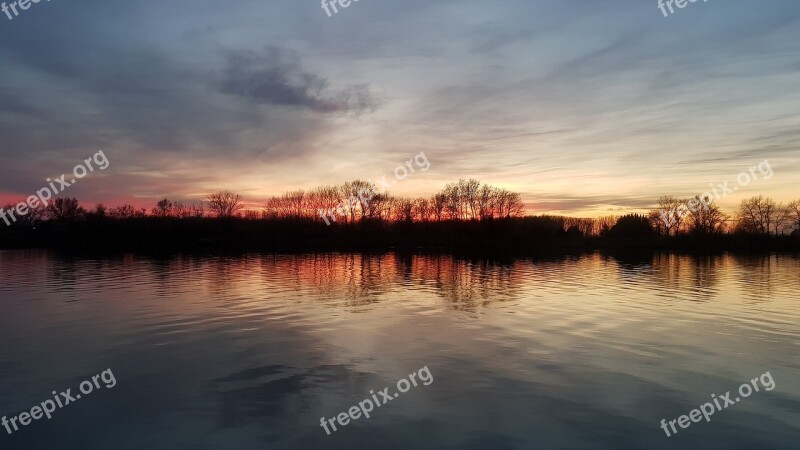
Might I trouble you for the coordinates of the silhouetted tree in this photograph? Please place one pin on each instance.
(670, 213)
(574, 232)
(225, 204)
(632, 225)
(707, 219)
(657, 223)
(404, 210)
(584, 226)
(756, 215)
(783, 219)
(65, 209)
(438, 205)
(182, 211)
(31, 219)
(126, 211)
(378, 206)
(163, 208)
(198, 210)
(360, 200)
(794, 214)
(603, 224)
(468, 200)
(422, 209)
(98, 214)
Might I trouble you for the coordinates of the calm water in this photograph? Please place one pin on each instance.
(250, 352)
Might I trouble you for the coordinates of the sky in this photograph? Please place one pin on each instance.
(584, 107)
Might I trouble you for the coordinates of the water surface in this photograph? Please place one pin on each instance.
(249, 352)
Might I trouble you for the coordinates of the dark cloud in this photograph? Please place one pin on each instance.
(276, 77)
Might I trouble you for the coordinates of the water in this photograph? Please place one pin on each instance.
(249, 352)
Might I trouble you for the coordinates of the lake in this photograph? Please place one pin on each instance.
(252, 351)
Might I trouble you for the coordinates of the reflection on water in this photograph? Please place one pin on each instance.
(250, 351)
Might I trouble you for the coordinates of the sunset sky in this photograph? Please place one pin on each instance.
(584, 107)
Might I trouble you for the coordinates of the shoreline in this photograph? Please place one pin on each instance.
(512, 237)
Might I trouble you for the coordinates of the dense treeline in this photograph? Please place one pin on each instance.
(464, 214)
(349, 202)
(360, 200)
(756, 215)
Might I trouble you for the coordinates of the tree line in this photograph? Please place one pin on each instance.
(755, 215)
(461, 201)
(360, 200)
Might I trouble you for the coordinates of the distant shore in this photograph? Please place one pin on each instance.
(518, 236)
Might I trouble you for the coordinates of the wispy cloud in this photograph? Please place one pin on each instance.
(576, 104)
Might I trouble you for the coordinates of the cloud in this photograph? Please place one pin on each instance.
(561, 99)
(276, 77)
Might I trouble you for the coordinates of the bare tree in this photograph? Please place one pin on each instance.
(128, 212)
(486, 202)
(671, 214)
(511, 204)
(708, 219)
(782, 219)
(359, 200)
(100, 210)
(404, 210)
(794, 213)
(377, 206)
(297, 203)
(356, 195)
(453, 205)
(422, 209)
(585, 226)
(324, 201)
(98, 214)
(756, 215)
(438, 205)
(604, 224)
(469, 190)
(65, 209)
(31, 219)
(163, 208)
(122, 212)
(198, 210)
(225, 204)
(272, 208)
(181, 210)
(658, 223)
